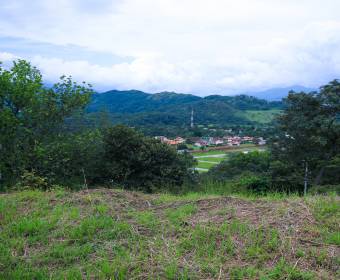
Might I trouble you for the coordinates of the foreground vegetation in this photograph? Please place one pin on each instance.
(114, 234)
(46, 141)
(110, 234)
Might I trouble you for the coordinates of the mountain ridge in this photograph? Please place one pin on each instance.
(169, 109)
(276, 94)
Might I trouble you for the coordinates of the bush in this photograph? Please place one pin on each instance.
(254, 183)
(255, 162)
(138, 162)
(326, 189)
(29, 180)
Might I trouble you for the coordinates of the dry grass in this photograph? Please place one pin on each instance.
(111, 234)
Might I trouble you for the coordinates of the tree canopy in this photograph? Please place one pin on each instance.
(308, 133)
(32, 114)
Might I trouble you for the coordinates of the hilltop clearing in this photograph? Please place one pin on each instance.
(112, 234)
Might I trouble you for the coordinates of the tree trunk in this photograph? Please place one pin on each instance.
(305, 179)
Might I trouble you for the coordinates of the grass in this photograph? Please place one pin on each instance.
(206, 165)
(327, 213)
(242, 147)
(111, 234)
(206, 153)
(208, 159)
(214, 159)
(262, 116)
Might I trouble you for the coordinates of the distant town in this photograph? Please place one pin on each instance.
(195, 143)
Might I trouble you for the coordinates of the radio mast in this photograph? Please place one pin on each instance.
(192, 118)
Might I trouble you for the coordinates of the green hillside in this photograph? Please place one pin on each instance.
(137, 108)
(261, 116)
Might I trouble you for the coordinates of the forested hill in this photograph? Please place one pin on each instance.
(168, 108)
(134, 101)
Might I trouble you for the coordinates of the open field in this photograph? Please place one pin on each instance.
(262, 116)
(213, 159)
(208, 159)
(112, 234)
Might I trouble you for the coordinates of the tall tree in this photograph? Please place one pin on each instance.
(309, 134)
(31, 114)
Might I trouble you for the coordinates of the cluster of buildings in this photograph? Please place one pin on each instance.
(176, 141)
(214, 141)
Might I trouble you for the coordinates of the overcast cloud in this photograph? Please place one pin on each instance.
(193, 46)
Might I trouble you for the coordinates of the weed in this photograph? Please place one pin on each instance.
(147, 219)
(178, 216)
(300, 253)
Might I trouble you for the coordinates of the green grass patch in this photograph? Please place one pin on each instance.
(178, 216)
(326, 210)
(146, 218)
(262, 116)
(202, 235)
(206, 165)
(208, 153)
(213, 159)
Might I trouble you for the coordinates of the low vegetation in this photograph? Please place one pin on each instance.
(262, 116)
(113, 234)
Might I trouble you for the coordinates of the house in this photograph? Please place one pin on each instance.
(216, 141)
(172, 142)
(179, 140)
(201, 143)
(176, 141)
(163, 139)
(233, 140)
(235, 143)
(247, 139)
(261, 141)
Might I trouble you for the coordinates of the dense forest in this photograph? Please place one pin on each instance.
(154, 112)
(43, 145)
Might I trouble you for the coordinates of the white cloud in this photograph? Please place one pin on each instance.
(6, 56)
(199, 46)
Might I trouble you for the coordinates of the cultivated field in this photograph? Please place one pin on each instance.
(112, 234)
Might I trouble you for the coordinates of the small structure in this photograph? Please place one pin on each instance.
(179, 140)
(201, 143)
(261, 141)
(163, 139)
(217, 141)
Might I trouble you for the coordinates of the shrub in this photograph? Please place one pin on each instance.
(138, 162)
(326, 189)
(30, 180)
(255, 162)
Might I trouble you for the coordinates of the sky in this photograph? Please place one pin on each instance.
(191, 46)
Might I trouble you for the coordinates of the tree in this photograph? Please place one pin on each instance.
(31, 114)
(255, 162)
(71, 158)
(138, 162)
(249, 170)
(309, 134)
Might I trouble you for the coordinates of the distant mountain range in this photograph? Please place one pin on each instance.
(166, 111)
(276, 94)
(169, 109)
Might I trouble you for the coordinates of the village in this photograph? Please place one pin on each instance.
(195, 143)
